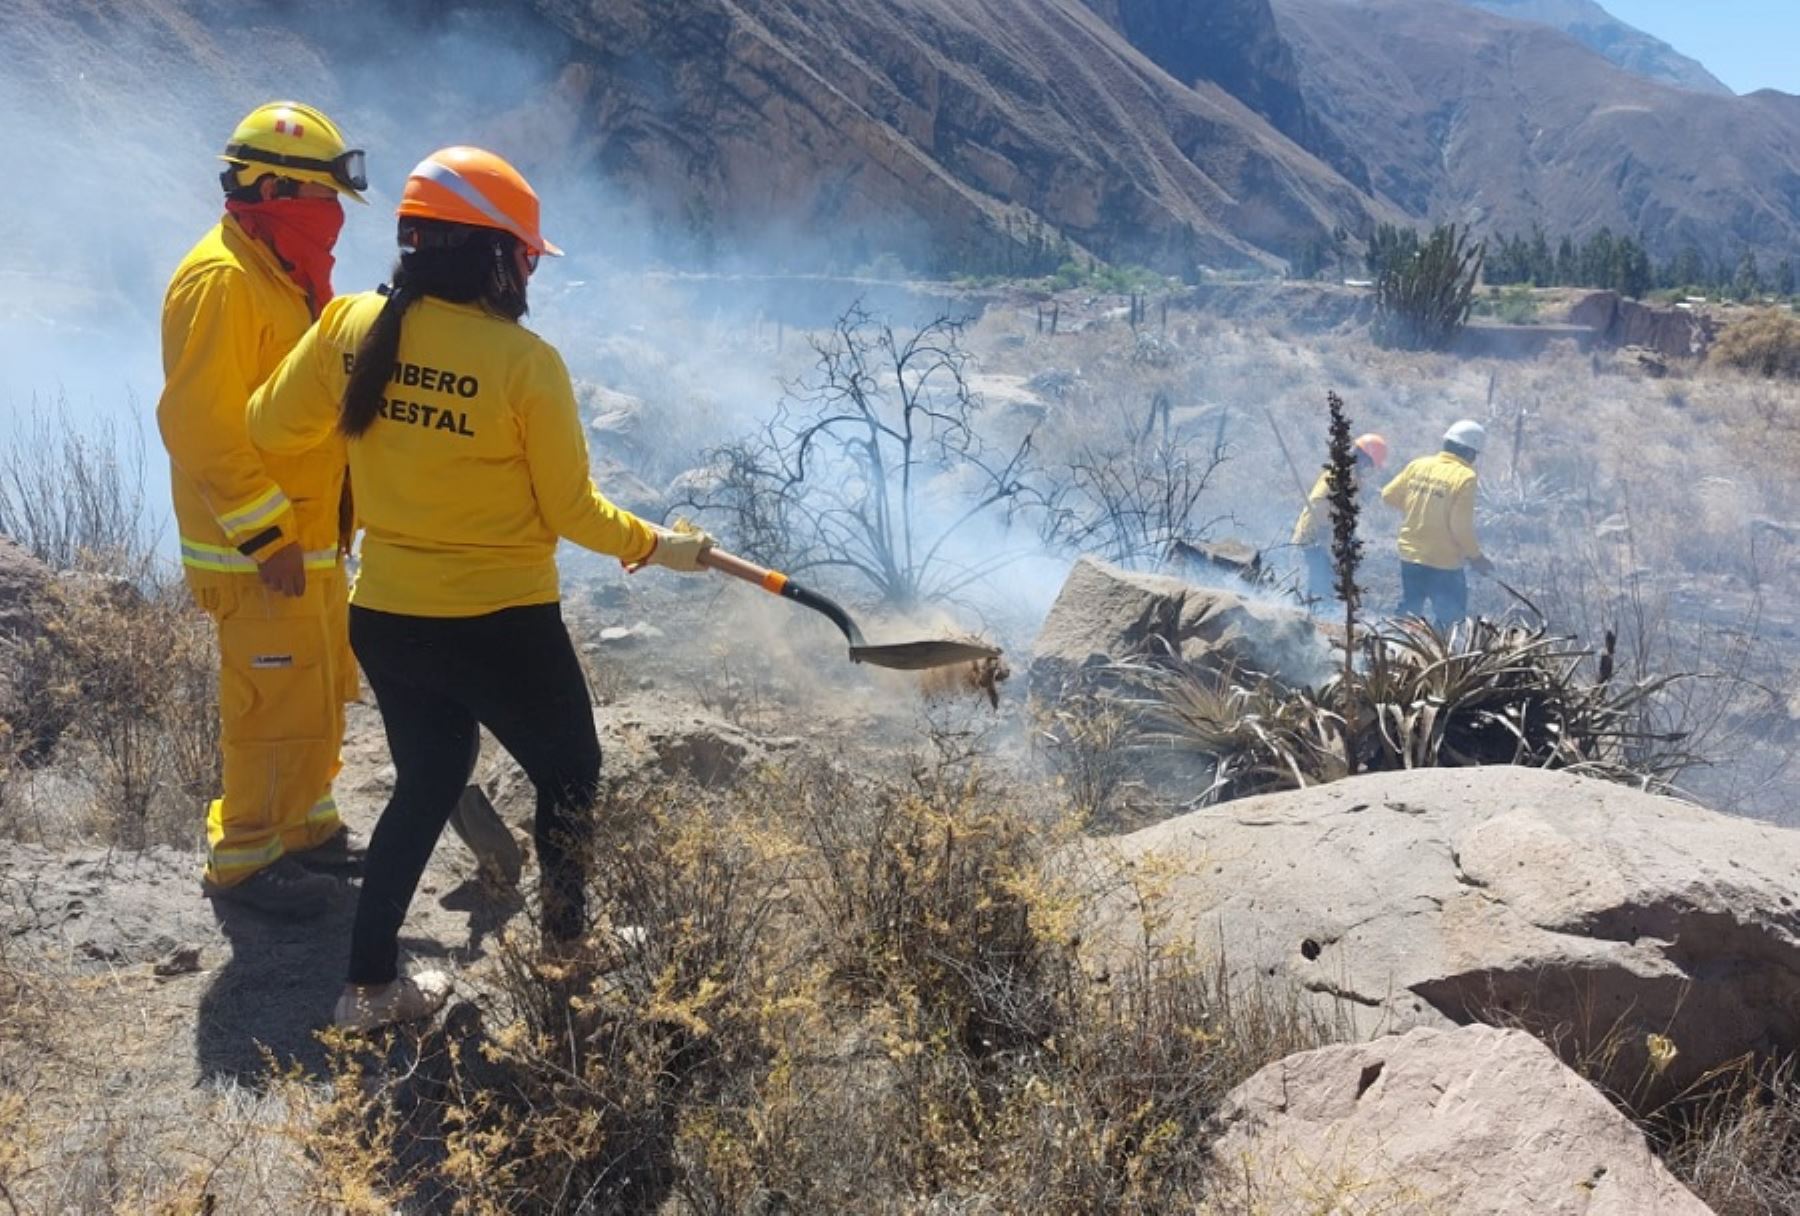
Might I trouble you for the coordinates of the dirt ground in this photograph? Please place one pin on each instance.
(149, 1030)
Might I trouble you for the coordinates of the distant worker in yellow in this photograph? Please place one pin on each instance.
(1312, 535)
(1436, 496)
(262, 537)
(470, 463)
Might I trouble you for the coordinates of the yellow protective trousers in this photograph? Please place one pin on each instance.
(285, 673)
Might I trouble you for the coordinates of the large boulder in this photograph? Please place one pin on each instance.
(1476, 1121)
(1104, 613)
(1448, 896)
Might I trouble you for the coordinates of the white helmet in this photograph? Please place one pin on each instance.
(1467, 433)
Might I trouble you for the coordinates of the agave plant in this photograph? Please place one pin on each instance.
(1485, 693)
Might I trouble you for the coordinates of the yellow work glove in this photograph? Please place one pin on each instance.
(679, 548)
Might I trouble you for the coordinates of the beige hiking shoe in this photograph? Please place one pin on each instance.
(362, 1008)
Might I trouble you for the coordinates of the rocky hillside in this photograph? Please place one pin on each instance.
(1598, 30)
(944, 122)
(1504, 125)
(949, 132)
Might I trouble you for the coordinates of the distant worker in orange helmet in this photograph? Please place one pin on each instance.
(470, 463)
(262, 537)
(1436, 495)
(1312, 534)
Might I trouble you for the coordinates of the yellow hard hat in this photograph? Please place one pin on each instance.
(296, 142)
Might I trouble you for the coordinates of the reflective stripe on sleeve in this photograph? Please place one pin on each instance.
(255, 513)
(198, 556)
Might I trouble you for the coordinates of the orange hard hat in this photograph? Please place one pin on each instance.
(470, 186)
(1375, 448)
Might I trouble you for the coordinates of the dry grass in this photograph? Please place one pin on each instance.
(1764, 344)
(121, 687)
(115, 687)
(846, 998)
(75, 1143)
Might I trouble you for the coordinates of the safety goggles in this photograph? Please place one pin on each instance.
(531, 260)
(348, 170)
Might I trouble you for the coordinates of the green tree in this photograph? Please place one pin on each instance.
(1746, 284)
(1567, 267)
(1687, 271)
(1783, 282)
(1391, 246)
(1631, 272)
(1543, 262)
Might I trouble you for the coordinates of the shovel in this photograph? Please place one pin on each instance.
(900, 656)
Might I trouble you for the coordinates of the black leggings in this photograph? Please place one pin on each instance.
(514, 672)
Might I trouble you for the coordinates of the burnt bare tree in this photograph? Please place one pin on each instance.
(872, 466)
(1130, 496)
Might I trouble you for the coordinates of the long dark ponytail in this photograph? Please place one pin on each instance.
(454, 262)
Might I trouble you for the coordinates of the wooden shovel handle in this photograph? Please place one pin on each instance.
(772, 581)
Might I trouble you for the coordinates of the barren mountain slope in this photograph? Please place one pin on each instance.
(1239, 47)
(941, 115)
(1628, 47)
(1505, 124)
(916, 125)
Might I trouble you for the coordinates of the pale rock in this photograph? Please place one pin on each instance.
(1477, 1121)
(1105, 613)
(1499, 894)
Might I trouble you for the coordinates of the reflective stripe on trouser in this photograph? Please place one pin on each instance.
(281, 716)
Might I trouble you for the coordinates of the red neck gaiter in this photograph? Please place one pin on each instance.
(302, 231)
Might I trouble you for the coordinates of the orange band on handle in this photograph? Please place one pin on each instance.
(774, 581)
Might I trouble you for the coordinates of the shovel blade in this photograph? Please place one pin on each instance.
(922, 656)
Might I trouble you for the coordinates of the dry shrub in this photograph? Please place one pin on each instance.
(1765, 344)
(75, 497)
(120, 678)
(1484, 693)
(1736, 1139)
(1087, 737)
(122, 682)
(846, 997)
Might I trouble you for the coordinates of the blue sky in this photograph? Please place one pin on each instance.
(1749, 44)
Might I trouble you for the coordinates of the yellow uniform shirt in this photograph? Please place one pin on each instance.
(231, 313)
(1437, 496)
(1315, 519)
(475, 466)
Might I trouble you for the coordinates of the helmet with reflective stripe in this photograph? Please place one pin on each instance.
(1467, 433)
(470, 186)
(1375, 448)
(294, 141)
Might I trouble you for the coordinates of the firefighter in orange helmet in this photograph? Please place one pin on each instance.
(262, 536)
(470, 463)
(1312, 534)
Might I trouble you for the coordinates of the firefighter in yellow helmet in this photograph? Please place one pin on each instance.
(263, 537)
(470, 463)
(1436, 495)
(1312, 534)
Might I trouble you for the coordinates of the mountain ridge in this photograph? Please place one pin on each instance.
(1621, 43)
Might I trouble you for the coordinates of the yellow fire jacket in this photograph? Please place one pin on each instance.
(230, 314)
(475, 466)
(1437, 496)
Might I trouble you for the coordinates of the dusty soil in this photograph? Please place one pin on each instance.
(150, 1028)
